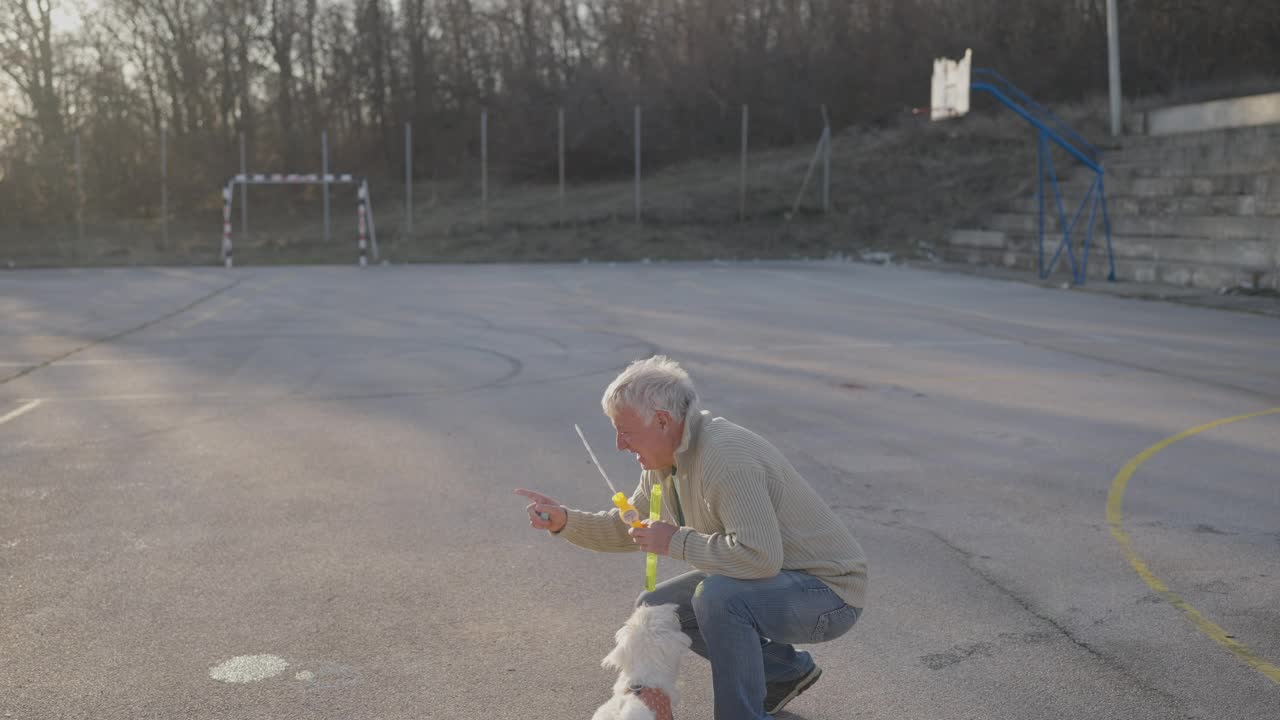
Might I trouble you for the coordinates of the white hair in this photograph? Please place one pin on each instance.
(650, 385)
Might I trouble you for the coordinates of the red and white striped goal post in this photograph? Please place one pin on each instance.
(364, 212)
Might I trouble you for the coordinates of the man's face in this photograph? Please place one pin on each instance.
(652, 443)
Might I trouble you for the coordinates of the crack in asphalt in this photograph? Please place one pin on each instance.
(117, 335)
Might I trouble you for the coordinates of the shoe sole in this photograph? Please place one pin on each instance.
(808, 683)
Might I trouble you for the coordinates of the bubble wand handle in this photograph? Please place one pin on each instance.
(651, 559)
(629, 514)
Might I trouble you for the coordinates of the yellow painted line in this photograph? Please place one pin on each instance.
(31, 405)
(1115, 519)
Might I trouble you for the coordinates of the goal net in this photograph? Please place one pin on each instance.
(366, 235)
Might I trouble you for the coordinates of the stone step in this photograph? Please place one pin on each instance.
(978, 238)
(1130, 170)
(1230, 136)
(1097, 269)
(1164, 205)
(1197, 209)
(1172, 272)
(1261, 184)
(1223, 227)
(1173, 152)
(1250, 254)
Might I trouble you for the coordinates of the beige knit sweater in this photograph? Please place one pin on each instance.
(746, 513)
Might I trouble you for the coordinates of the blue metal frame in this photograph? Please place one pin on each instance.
(1051, 128)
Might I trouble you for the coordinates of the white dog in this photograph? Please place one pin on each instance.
(647, 658)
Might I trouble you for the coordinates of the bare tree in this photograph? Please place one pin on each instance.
(28, 57)
(206, 70)
(284, 24)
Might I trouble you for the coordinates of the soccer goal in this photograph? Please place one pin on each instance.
(366, 235)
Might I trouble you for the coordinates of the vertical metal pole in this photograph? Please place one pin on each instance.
(164, 187)
(1113, 64)
(742, 175)
(826, 161)
(1040, 151)
(638, 148)
(360, 224)
(324, 169)
(367, 204)
(79, 195)
(244, 196)
(408, 180)
(560, 117)
(484, 167)
(226, 226)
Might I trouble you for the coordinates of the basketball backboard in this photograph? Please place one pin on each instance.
(949, 97)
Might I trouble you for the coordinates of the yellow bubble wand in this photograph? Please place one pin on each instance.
(651, 559)
(628, 512)
(630, 515)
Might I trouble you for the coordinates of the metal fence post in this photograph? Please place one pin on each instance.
(79, 196)
(638, 150)
(484, 167)
(324, 163)
(826, 161)
(742, 179)
(164, 187)
(408, 180)
(244, 195)
(560, 118)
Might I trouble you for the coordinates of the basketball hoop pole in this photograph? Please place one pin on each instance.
(952, 84)
(1113, 64)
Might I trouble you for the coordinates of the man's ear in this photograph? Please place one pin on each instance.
(662, 418)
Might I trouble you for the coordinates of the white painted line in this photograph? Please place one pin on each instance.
(70, 363)
(32, 405)
(146, 396)
(870, 345)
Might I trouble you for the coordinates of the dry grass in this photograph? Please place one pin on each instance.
(898, 189)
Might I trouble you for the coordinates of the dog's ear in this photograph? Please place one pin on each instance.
(613, 660)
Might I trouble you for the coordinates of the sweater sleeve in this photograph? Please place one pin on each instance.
(751, 544)
(604, 531)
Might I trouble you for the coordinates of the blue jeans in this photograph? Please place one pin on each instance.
(747, 628)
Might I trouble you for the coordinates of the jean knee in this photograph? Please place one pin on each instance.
(715, 596)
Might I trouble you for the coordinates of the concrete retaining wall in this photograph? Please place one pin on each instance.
(1216, 115)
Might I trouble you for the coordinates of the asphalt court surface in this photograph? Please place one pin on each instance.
(287, 492)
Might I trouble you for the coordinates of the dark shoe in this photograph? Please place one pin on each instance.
(778, 694)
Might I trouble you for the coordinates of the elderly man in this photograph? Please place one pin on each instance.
(774, 565)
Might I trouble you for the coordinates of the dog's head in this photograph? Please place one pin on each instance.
(649, 646)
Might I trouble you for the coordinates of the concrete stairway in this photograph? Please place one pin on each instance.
(1197, 209)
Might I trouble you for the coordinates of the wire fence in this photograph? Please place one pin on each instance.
(416, 206)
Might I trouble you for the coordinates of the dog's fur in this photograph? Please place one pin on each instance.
(648, 653)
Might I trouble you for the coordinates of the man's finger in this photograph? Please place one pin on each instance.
(532, 495)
